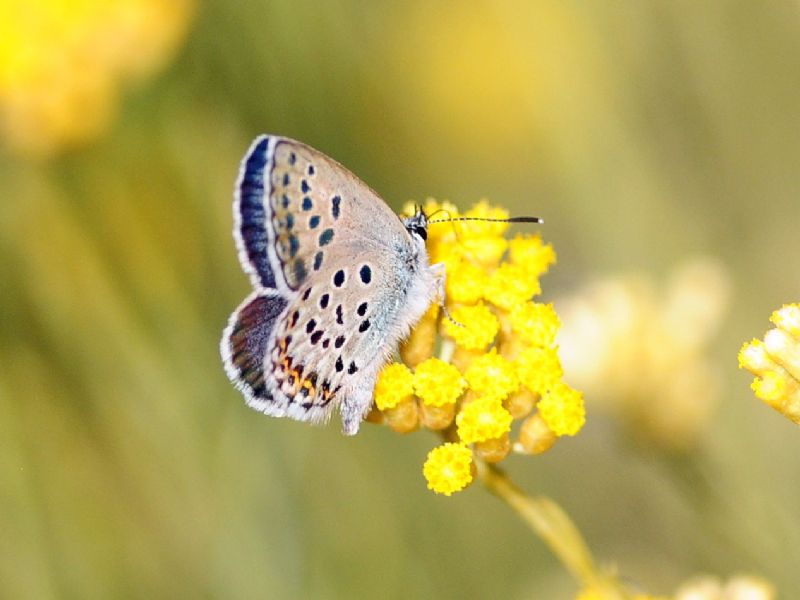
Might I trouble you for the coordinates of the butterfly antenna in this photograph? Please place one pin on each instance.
(509, 220)
(450, 317)
(440, 210)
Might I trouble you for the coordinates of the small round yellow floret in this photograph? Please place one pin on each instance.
(395, 384)
(447, 252)
(483, 419)
(511, 285)
(529, 252)
(479, 326)
(538, 369)
(536, 323)
(438, 383)
(485, 251)
(493, 376)
(448, 468)
(561, 407)
(465, 283)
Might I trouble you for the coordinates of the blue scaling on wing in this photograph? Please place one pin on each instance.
(252, 216)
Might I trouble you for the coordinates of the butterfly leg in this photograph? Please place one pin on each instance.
(440, 278)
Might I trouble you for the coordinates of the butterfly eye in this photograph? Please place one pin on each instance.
(421, 232)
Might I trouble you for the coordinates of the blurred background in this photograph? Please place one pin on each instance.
(659, 141)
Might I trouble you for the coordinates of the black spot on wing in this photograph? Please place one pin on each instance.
(365, 273)
(338, 278)
(325, 237)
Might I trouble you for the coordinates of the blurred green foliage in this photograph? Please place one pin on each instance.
(643, 133)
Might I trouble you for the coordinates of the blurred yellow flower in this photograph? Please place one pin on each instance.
(496, 360)
(64, 63)
(776, 363)
(739, 587)
(641, 353)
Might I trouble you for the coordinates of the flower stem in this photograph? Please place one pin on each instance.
(555, 528)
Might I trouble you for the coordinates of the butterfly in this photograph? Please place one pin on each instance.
(338, 280)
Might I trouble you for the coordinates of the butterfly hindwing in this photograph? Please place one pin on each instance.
(246, 341)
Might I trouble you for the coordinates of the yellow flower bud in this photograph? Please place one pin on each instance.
(535, 437)
(403, 417)
(420, 344)
(493, 450)
(436, 418)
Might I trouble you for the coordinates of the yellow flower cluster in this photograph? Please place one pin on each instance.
(496, 360)
(775, 362)
(63, 63)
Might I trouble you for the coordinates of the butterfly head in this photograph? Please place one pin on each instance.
(417, 225)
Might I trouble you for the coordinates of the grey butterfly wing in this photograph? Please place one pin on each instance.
(360, 282)
(354, 281)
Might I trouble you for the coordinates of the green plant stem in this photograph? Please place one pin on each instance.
(555, 528)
